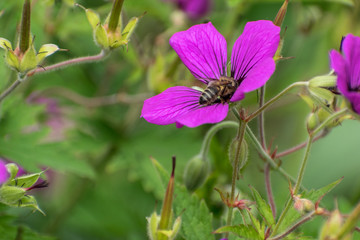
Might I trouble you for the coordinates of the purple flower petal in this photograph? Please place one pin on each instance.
(209, 114)
(4, 174)
(338, 63)
(351, 49)
(203, 51)
(180, 105)
(256, 78)
(258, 42)
(195, 9)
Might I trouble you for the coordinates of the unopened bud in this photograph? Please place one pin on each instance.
(242, 155)
(303, 205)
(325, 81)
(153, 222)
(332, 226)
(10, 195)
(281, 14)
(196, 172)
(312, 122)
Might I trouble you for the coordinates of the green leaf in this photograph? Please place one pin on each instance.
(45, 51)
(241, 230)
(257, 225)
(23, 150)
(263, 208)
(312, 195)
(196, 217)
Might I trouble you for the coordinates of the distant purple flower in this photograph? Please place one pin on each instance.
(203, 50)
(194, 9)
(4, 174)
(347, 69)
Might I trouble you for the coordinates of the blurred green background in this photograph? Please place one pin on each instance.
(102, 182)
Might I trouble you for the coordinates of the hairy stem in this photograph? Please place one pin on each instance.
(240, 138)
(253, 140)
(300, 146)
(269, 189)
(210, 134)
(10, 89)
(304, 162)
(274, 99)
(68, 63)
(56, 66)
(303, 220)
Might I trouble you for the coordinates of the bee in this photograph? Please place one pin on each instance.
(219, 91)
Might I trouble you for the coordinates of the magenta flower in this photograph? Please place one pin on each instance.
(203, 50)
(4, 174)
(347, 69)
(194, 9)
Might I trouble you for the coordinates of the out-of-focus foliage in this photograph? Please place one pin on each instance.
(97, 148)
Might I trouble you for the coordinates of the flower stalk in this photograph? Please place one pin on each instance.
(274, 99)
(304, 162)
(240, 138)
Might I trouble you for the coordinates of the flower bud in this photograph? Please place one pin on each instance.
(312, 122)
(325, 81)
(332, 226)
(196, 172)
(303, 205)
(153, 222)
(10, 195)
(281, 14)
(243, 154)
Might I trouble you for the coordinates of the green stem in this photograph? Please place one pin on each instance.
(210, 134)
(304, 162)
(328, 120)
(253, 140)
(274, 99)
(240, 138)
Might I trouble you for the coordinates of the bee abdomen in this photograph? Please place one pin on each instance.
(209, 95)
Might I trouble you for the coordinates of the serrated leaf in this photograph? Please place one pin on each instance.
(257, 225)
(312, 195)
(45, 51)
(195, 216)
(263, 208)
(28, 61)
(5, 44)
(247, 232)
(101, 37)
(24, 151)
